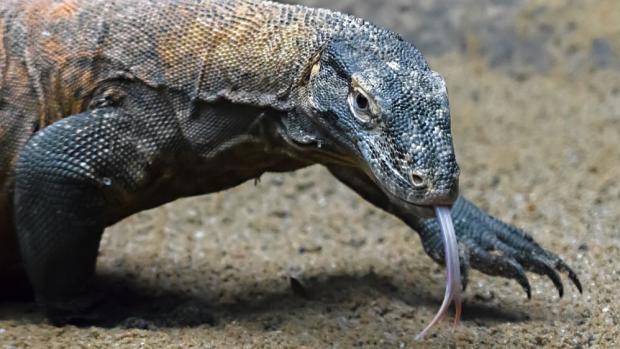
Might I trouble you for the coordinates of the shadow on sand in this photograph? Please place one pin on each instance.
(126, 304)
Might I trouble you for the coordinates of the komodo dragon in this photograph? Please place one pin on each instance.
(110, 107)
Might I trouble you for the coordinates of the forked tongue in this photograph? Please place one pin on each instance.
(453, 271)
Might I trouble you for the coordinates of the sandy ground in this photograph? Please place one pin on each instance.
(535, 95)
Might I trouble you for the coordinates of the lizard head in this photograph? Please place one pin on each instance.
(381, 108)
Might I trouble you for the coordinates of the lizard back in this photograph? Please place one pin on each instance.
(55, 56)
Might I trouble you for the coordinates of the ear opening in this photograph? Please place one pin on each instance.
(311, 69)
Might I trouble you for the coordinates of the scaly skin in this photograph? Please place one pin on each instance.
(108, 108)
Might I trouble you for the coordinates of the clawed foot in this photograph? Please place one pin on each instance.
(496, 248)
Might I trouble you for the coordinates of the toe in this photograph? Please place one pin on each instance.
(563, 267)
(499, 264)
(540, 265)
(535, 258)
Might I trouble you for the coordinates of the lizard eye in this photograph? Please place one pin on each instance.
(361, 102)
(360, 105)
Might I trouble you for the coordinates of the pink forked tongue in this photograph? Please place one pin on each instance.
(453, 270)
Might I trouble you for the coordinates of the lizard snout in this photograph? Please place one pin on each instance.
(444, 195)
(431, 191)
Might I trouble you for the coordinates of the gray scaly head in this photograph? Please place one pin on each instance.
(379, 100)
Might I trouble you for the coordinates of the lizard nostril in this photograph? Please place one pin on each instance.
(417, 180)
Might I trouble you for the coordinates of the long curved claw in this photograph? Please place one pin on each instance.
(521, 277)
(563, 267)
(541, 266)
(498, 265)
